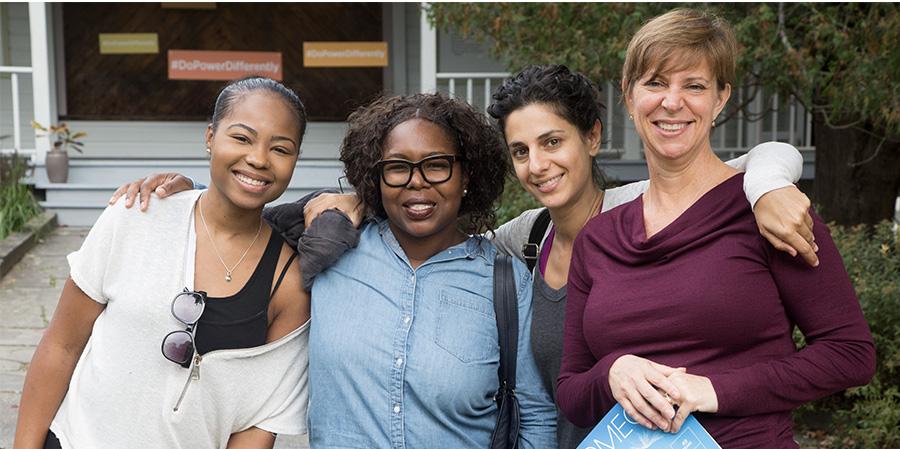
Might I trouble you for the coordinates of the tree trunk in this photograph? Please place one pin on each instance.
(851, 185)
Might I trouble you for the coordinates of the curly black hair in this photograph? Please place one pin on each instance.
(571, 95)
(477, 143)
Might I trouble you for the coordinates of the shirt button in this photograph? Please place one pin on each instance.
(413, 278)
(396, 409)
(406, 319)
(399, 361)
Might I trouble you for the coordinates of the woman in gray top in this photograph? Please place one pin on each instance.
(551, 120)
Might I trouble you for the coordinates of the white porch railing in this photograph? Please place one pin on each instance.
(772, 119)
(14, 73)
(477, 87)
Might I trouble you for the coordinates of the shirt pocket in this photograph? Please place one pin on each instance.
(466, 327)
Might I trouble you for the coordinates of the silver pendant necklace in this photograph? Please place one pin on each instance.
(228, 271)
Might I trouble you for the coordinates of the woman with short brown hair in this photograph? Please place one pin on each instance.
(675, 303)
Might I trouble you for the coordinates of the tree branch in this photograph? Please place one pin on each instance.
(870, 158)
(781, 33)
(744, 103)
(845, 126)
(855, 126)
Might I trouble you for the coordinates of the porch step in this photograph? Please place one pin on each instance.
(116, 172)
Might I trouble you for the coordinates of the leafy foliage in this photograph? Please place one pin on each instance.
(840, 59)
(870, 418)
(514, 201)
(17, 205)
(62, 135)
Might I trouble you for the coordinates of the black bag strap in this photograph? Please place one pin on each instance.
(507, 312)
(531, 251)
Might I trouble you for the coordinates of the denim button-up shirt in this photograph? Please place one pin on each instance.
(407, 358)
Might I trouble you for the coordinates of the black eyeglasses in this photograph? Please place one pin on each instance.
(187, 307)
(434, 169)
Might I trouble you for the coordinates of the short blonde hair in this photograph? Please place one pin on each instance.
(680, 39)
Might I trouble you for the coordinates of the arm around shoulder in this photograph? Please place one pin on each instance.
(769, 166)
(510, 236)
(620, 195)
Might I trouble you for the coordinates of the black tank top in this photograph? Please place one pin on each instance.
(242, 320)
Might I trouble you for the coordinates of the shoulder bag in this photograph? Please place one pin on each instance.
(506, 432)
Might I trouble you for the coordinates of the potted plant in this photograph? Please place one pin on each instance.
(58, 157)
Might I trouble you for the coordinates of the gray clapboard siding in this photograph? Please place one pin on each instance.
(146, 139)
(16, 52)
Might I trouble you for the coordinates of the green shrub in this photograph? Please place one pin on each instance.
(873, 262)
(17, 205)
(868, 417)
(514, 201)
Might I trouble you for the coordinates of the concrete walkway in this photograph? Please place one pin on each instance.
(28, 297)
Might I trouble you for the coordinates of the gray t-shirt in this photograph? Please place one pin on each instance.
(549, 304)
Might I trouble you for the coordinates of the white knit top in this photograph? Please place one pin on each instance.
(123, 393)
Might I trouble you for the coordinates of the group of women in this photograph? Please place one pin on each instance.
(661, 295)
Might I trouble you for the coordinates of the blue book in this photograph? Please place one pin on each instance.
(618, 431)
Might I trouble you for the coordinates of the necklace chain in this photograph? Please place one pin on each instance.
(216, 249)
(594, 208)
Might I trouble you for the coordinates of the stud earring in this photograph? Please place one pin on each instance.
(465, 192)
(208, 151)
(713, 123)
(630, 117)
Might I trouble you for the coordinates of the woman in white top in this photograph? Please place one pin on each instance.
(231, 373)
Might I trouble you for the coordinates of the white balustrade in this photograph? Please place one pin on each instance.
(730, 139)
(14, 73)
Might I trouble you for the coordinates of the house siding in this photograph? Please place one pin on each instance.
(16, 51)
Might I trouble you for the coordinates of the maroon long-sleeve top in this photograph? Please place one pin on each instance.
(710, 294)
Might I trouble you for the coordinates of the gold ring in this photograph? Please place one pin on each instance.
(668, 399)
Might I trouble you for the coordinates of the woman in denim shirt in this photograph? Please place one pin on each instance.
(404, 346)
(403, 342)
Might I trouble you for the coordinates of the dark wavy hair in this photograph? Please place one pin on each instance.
(477, 143)
(232, 91)
(570, 94)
